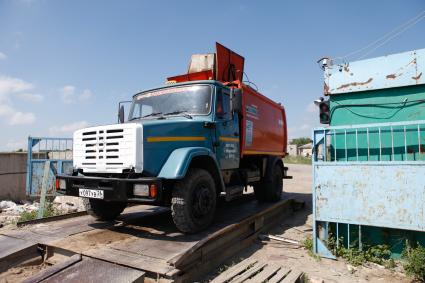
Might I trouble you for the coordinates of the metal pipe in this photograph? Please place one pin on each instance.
(368, 150)
(360, 238)
(348, 237)
(335, 145)
(392, 144)
(419, 139)
(346, 151)
(357, 146)
(325, 148)
(337, 235)
(380, 144)
(405, 144)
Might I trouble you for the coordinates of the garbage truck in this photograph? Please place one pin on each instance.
(202, 135)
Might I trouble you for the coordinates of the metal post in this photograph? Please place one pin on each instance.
(357, 147)
(346, 151)
(392, 144)
(335, 145)
(325, 149)
(44, 189)
(405, 144)
(368, 146)
(360, 238)
(380, 145)
(419, 139)
(29, 167)
(337, 235)
(348, 237)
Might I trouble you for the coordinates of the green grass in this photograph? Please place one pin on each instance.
(308, 245)
(30, 215)
(292, 159)
(379, 254)
(414, 261)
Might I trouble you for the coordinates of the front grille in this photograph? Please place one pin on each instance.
(97, 149)
(109, 149)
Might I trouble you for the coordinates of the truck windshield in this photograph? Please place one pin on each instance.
(194, 100)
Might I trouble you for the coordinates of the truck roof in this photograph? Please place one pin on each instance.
(214, 82)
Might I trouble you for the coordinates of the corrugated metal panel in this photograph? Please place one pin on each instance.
(397, 70)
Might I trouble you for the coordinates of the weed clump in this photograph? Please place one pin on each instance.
(379, 254)
(414, 261)
(49, 211)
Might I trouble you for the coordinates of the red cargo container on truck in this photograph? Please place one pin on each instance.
(263, 125)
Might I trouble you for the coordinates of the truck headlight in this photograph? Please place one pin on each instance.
(141, 190)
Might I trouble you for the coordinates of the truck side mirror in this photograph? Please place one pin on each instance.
(236, 100)
(121, 114)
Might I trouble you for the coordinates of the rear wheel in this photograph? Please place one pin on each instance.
(270, 190)
(194, 201)
(104, 210)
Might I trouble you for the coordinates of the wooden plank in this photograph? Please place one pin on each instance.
(53, 269)
(265, 274)
(276, 208)
(94, 270)
(293, 277)
(248, 273)
(134, 260)
(14, 251)
(279, 275)
(234, 271)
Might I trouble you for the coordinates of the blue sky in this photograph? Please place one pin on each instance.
(66, 64)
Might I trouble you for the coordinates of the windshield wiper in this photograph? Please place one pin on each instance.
(148, 115)
(183, 112)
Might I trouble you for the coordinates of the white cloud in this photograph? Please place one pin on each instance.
(85, 95)
(70, 96)
(3, 56)
(6, 110)
(68, 128)
(9, 85)
(20, 118)
(30, 97)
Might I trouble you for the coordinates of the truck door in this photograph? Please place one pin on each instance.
(227, 131)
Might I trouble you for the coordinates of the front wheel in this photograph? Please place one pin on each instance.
(270, 190)
(104, 210)
(194, 201)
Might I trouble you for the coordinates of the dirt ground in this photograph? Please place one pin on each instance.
(298, 227)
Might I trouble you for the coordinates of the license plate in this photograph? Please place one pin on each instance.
(86, 193)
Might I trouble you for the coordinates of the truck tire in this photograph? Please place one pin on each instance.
(194, 201)
(270, 190)
(103, 210)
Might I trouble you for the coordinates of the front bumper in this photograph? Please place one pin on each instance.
(114, 189)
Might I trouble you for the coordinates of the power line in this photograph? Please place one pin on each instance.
(393, 36)
(385, 38)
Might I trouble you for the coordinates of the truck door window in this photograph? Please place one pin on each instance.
(223, 105)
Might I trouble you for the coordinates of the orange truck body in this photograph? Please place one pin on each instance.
(267, 121)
